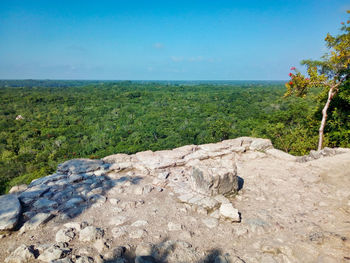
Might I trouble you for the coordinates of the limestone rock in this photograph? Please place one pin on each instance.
(18, 188)
(229, 212)
(78, 166)
(36, 221)
(44, 203)
(53, 253)
(33, 193)
(260, 144)
(64, 235)
(22, 254)
(210, 180)
(90, 233)
(10, 209)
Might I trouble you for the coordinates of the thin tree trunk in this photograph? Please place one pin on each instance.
(332, 91)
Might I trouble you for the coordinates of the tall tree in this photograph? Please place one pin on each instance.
(331, 73)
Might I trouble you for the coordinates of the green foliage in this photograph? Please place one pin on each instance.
(93, 121)
(331, 77)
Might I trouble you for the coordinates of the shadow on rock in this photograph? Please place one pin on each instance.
(77, 185)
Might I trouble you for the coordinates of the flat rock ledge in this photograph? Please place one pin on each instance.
(154, 203)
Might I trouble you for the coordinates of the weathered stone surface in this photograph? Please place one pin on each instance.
(64, 235)
(34, 192)
(78, 166)
(229, 212)
(211, 179)
(281, 155)
(22, 254)
(10, 209)
(260, 144)
(90, 233)
(18, 188)
(53, 253)
(36, 221)
(44, 203)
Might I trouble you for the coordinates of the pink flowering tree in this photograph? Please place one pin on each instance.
(329, 74)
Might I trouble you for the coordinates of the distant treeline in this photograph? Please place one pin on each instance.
(62, 122)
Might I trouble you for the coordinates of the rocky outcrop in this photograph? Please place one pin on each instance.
(10, 209)
(239, 200)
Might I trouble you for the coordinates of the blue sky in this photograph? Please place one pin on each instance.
(163, 40)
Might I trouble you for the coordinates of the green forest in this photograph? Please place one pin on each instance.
(74, 119)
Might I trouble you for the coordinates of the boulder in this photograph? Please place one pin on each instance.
(36, 221)
(259, 144)
(53, 253)
(90, 233)
(65, 235)
(10, 209)
(229, 212)
(211, 180)
(21, 255)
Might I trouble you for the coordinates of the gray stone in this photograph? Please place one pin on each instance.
(90, 233)
(10, 209)
(47, 179)
(77, 166)
(53, 253)
(21, 255)
(44, 203)
(74, 178)
(212, 181)
(229, 212)
(33, 193)
(73, 202)
(64, 235)
(36, 221)
(260, 144)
